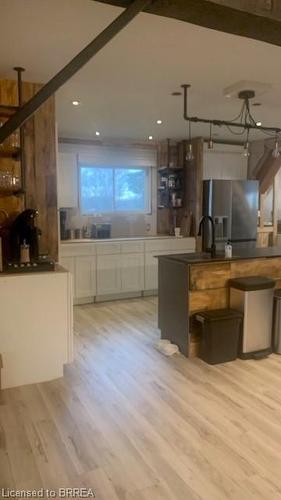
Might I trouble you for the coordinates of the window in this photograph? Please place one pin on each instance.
(106, 189)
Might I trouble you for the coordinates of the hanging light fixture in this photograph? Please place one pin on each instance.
(210, 141)
(246, 151)
(243, 122)
(189, 154)
(275, 152)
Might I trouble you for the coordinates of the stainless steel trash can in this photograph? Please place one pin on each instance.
(253, 296)
(276, 331)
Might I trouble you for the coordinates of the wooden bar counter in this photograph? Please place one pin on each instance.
(189, 283)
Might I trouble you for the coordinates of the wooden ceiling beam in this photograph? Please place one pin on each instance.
(206, 13)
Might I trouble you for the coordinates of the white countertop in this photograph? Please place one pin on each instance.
(58, 269)
(127, 238)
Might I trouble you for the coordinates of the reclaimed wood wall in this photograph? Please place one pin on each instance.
(40, 165)
(193, 185)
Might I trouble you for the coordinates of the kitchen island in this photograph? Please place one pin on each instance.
(193, 282)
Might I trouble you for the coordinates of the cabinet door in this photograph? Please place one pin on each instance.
(67, 180)
(69, 264)
(151, 270)
(108, 274)
(132, 272)
(85, 276)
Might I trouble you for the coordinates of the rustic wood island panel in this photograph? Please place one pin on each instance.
(207, 288)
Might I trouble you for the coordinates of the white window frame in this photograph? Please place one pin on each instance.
(146, 211)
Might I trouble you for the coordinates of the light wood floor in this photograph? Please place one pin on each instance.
(134, 425)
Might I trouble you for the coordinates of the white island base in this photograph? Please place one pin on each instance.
(36, 332)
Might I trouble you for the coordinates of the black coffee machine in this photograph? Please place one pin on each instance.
(24, 231)
(63, 230)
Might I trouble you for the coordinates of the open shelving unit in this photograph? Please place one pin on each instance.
(170, 187)
(13, 154)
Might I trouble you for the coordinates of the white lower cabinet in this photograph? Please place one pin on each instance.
(132, 272)
(69, 264)
(112, 268)
(151, 270)
(108, 274)
(85, 276)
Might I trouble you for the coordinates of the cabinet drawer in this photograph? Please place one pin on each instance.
(132, 247)
(184, 244)
(159, 245)
(76, 249)
(108, 248)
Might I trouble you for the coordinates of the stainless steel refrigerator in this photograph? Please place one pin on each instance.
(234, 207)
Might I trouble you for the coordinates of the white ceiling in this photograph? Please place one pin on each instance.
(128, 85)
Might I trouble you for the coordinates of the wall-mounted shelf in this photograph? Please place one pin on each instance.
(14, 154)
(167, 170)
(12, 149)
(11, 192)
(170, 207)
(7, 111)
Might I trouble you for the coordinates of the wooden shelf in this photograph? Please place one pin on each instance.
(165, 169)
(7, 111)
(14, 154)
(161, 188)
(11, 192)
(170, 207)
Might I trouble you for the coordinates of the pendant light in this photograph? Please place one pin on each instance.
(246, 151)
(189, 154)
(241, 123)
(275, 152)
(210, 141)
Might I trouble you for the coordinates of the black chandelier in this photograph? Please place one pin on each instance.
(243, 123)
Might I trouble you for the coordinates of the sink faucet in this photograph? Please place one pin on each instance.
(208, 218)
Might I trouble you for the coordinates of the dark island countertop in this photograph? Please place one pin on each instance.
(238, 254)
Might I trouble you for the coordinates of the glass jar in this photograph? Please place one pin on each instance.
(2, 143)
(14, 139)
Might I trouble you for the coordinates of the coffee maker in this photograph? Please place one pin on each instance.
(63, 230)
(24, 232)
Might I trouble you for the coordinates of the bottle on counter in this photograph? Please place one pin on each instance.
(228, 250)
(24, 253)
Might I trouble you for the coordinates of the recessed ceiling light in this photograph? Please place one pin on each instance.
(75, 103)
(150, 138)
(258, 124)
(159, 122)
(97, 132)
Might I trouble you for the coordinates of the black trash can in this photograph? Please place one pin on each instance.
(220, 332)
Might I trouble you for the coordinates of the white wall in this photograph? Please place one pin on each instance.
(224, 161)
(115, 154)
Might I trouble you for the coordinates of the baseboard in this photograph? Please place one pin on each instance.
(117, 296)
(261, 354)
(83, 300)
(114, 296)
(150, 293)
